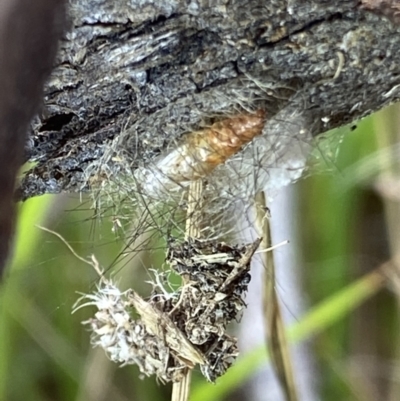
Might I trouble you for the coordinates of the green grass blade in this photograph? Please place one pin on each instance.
(318, 319)
(30, 213)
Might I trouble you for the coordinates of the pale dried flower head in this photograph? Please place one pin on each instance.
(176, 331)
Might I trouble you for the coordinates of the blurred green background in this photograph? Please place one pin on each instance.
(348, 214)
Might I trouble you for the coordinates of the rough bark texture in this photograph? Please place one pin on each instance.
(139, 74)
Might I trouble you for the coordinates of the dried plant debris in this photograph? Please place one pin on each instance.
(176, 331)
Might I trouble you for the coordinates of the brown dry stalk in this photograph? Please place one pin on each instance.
(275, 330)
(180, 390)
(29, 31)
(194, 210)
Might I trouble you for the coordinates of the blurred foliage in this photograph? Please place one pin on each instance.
(346, 235)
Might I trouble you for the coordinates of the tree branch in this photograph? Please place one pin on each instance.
(134, 76)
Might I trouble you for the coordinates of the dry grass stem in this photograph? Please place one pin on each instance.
(181, 390)
(276, 339)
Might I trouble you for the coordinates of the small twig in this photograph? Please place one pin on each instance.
(162, 326)
(242, 265)
(180, 390)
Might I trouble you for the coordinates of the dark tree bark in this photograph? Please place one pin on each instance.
(29, 31)
(136, 75)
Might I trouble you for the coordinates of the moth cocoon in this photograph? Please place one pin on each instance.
(200, 153)
(235, 157)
